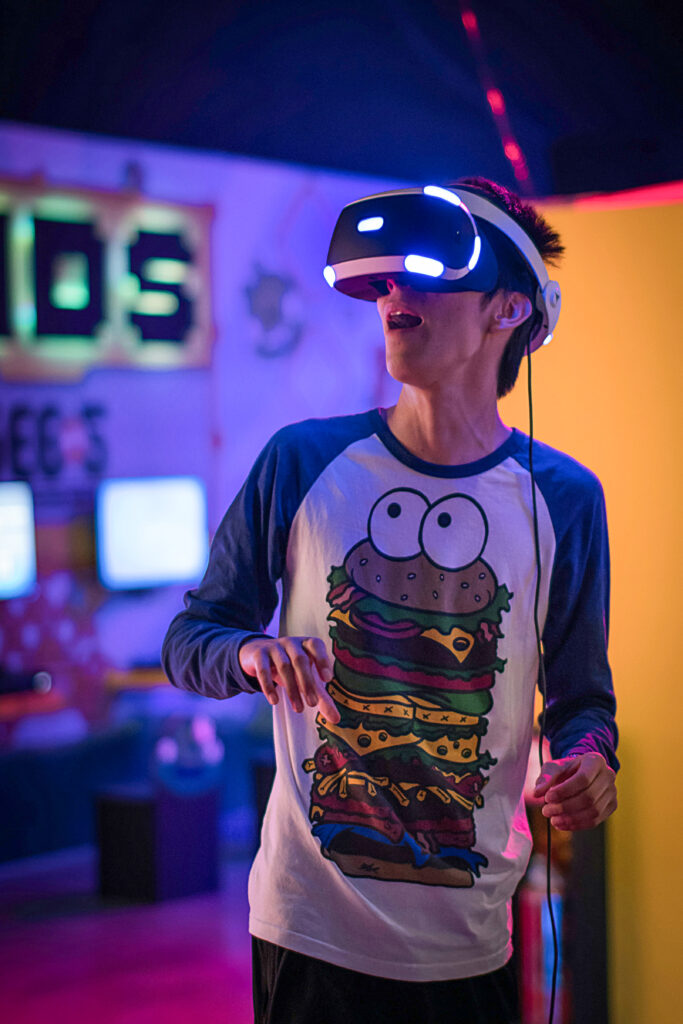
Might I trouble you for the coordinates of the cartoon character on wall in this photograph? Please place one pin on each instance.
(415, 622)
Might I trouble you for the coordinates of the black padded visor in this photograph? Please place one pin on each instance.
(383, 230)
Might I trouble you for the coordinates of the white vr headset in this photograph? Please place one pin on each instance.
(442, 239)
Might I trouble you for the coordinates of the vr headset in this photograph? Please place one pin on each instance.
(438, 240)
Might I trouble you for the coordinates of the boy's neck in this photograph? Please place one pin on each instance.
(446, 428)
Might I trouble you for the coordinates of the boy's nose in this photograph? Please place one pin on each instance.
(401, 282)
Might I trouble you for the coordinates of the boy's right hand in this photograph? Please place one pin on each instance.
(300, 664)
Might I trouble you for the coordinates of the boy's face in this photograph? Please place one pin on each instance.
(432, 337)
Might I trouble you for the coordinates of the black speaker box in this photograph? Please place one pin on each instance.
(154, 844)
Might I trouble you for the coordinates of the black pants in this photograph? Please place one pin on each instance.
(290, 988)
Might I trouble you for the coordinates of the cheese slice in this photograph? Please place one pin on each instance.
(458, 642)
(398, 706)
(364, 741)
(341, 616)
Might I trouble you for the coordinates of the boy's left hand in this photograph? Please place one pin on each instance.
(577, 792)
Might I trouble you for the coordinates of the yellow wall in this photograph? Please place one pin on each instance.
(609, 391)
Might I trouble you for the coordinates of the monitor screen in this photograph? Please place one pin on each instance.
(151, 532)
(17, 540)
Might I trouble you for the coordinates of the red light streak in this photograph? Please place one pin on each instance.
(469, 20)
(496, 101)
(494, 96)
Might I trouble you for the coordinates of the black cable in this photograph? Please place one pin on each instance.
(542, 679)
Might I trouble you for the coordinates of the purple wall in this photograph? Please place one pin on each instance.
(286, 348)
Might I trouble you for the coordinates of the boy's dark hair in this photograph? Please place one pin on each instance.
(514, 274)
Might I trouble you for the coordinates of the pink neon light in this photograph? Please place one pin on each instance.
(496, 101)
(512, 152)
(469, 20)
(651, 195)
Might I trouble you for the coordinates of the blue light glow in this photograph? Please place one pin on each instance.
(475, 254)
(370, 224)
(17, 540)
(442, 193)
(151, 532)
(423, 265)
(330, 276)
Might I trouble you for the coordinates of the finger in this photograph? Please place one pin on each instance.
(286, 676)
(599, 792)
(316, 648)
(328, 709)
(544, 782)
(581, 789)
(576, 805)
(594, 805)
(589, 818)
(551, 773)
(303, 669)
(568, 788)
(262, 670)
(574, 823)
(589, 774)
(322, 698)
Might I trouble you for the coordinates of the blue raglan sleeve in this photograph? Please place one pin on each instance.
(581, 705)
(237, 596)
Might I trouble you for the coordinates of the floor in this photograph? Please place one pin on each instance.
(65, 958)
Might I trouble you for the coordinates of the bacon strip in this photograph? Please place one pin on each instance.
(374, 623)
(344, 595)
(367, 666)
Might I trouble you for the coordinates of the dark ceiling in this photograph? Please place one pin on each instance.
(389, 87)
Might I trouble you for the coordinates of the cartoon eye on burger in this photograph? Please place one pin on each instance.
(415, 622)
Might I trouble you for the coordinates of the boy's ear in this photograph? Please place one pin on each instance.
(510, 309)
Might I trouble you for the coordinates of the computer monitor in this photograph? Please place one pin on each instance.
(151, 532)
(17, 540)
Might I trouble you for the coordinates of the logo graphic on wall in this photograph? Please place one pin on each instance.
(415, 622)
(279, 329)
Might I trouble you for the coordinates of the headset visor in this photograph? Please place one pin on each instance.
(432, 240)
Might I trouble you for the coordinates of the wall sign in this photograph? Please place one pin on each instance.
(60, 446)
(100, 279)
(41, 442)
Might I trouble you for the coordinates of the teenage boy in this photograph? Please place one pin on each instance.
(402, 682)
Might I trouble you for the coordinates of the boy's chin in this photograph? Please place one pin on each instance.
(411, 371)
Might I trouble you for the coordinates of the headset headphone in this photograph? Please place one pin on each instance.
(443, 239)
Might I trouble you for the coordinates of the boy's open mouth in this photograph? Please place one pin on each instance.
(400, 321)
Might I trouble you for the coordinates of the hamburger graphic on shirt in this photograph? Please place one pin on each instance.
(415, 621)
